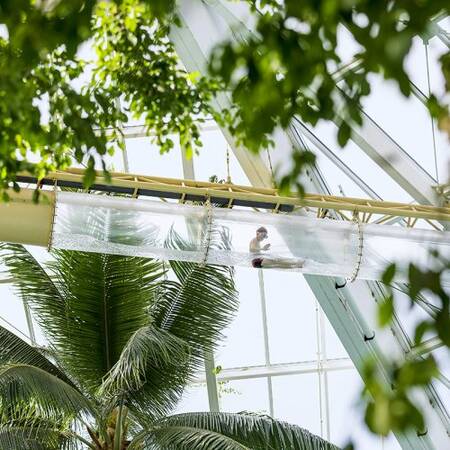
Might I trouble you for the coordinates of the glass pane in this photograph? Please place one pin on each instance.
(296, 400)
(291, 317)
(416, 66)
(334, 348)
(195, 399)
(12, 315)
(354, 157)
(244, 395)
(244, 337)
(407, 121)
(144, 159)
(212, 158)
(337, 181)
(347, 47)
(344, 411)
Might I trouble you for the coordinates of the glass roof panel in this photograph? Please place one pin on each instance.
(195, 398)
(355, 158)
(144, 158)
(244, 344)
(296, 400)
(291, 318)
(12, 314)
(344, 410)
(212, 158)
(244, 395)
(408, 122)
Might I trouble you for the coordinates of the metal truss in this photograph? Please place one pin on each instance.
(229, 195)
(351, 309)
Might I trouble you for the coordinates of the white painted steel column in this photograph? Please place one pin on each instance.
(262, 296)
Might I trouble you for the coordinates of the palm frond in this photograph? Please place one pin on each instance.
(22, 384)
(33, 438)
(216, 237)
(250, 430)
(89, 305)
(13, 439)
(107, 300)
(15, 350)
(204, 300)
(194, 309)
(147, 350)
(34, 285)
(184, 438)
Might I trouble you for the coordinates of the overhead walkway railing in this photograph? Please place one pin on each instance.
(212, 231)
(230, 195)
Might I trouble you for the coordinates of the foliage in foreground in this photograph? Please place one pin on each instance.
(123, 343)
(59, 107)
(392, 408)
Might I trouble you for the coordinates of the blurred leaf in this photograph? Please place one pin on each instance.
(389, 273)
(386, 311)
(344, 134)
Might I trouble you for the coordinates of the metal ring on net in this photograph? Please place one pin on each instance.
(207, 236)
(357, 267)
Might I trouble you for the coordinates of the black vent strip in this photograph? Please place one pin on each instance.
(110, 189)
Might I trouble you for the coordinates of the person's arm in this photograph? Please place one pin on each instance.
(254, 247)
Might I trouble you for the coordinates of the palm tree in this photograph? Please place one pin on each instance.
(123, 342)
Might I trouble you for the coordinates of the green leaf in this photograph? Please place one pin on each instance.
(344, 134)
(386, 311)
(417, 372)
(420, 330)
(31, 437)
(389, 273)
(89, 174)
(109, 296)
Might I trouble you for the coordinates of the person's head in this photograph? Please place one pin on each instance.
(261, 233)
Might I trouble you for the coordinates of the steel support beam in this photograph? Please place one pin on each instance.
(351, 310)
(278, 370)
(426, 347)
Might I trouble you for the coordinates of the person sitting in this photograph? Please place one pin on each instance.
(262, 261)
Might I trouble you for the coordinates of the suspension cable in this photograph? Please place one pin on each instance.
(433, 133)
(228, 166)
(272, 174)
(359, 256)
(208, 232)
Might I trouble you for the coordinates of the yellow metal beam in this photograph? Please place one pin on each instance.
(233, 192)
(24, 222)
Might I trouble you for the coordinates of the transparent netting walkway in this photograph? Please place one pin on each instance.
(214, 235)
